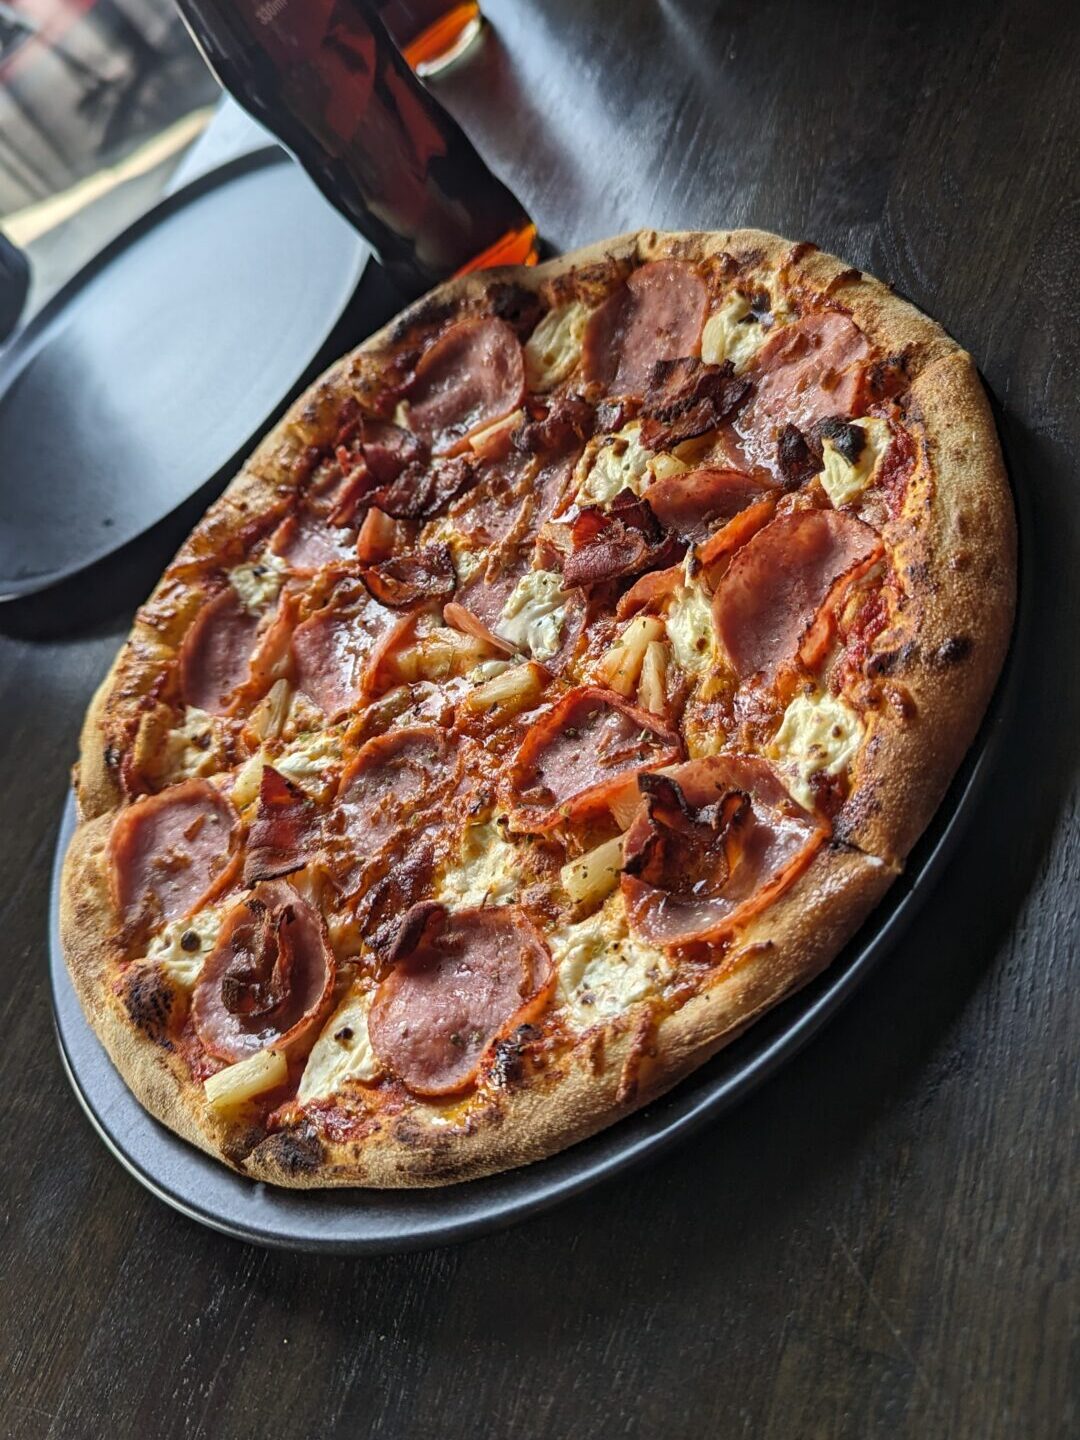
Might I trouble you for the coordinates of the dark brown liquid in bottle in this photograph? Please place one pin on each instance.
(326, 78)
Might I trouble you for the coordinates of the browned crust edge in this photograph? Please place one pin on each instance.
(783, 949)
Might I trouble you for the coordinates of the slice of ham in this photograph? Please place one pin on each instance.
(777, 582)
(807, 371)
(170, 852)
(473, 375)
(460, 981)
(284, 833)
(691, 504)
(336, 649)
(309, 542)
(391, 780)
(215, 656)
(425, 574)
(585, 748)
(657, 315)
(717, 840)
(269, 982)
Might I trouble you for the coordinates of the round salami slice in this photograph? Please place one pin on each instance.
(169, 852)
(717, 840)
(334, 649)
(308, 542)
(460, 981)
(583, 750)
(776, 583)
(657, 315)
(473, 375)
(270, 979)
(693, 504)
(391, 779)
(215, 656)
(807, 371)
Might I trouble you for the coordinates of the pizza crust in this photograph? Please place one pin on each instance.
(963, 615)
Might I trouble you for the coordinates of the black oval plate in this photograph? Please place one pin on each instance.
(148, 377)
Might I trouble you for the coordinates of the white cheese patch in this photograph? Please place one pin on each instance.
(342, 1052)
(308, 759)
(619, 462)
(602, 968)
(533, 617)
(818, 734)
(258, 582)
(690, 628)
(183, 945)
(553, 350)
(486, 872)
(844, 481)
(732, 333)
(466, 563)
(191, 748)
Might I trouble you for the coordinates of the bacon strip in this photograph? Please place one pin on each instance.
(270, 979)
(580, 752)
(420, 491)
(426, 574)
(284, 833)
(717, 841)
(459, 982)
(687, 398)
(622, 540)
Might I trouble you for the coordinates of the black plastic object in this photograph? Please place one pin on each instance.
(381, 1221)
(146, 380)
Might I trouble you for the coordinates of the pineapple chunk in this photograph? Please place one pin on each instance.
(241, 1082)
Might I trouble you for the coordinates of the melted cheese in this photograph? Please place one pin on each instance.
(553, 349)
(342, 1052)
(690, 627)
(534, 616)
(307, 761)
(818, 734)
(602, 968)
(191, 748)
(618, 462)
(487, 871)
(258, 582)
(844, 481)
(732, 333)
(183, 963)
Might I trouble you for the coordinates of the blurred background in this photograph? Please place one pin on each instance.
(99, 99)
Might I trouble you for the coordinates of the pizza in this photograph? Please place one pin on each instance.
(557, 687)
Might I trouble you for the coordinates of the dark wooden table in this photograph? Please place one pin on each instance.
(881, 1242)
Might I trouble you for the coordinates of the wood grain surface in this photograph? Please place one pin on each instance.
(882, 1242)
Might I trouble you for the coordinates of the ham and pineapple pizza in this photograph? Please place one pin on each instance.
(557, 687)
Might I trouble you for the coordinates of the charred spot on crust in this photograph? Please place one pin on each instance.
(294, 1152)
(516, 304)
(425, 314)
(508, 1064)
(887, 662)
(954, 650)
(148, 999)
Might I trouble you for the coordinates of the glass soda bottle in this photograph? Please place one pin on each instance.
(326, 78)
